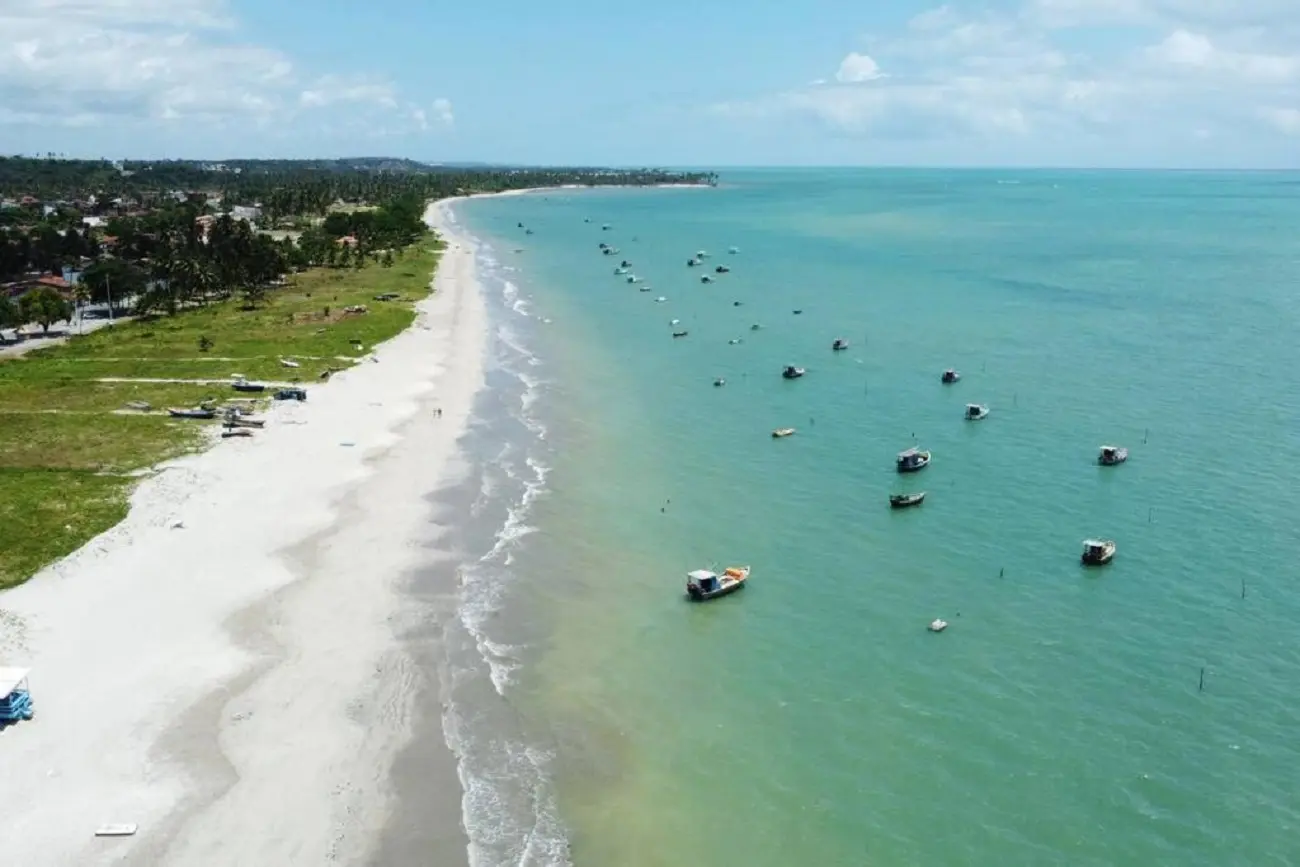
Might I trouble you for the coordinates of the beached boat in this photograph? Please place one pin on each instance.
(912, 460)
(240, 421)
(16, 695)
(236, 432)
(792, 372)
(703, 584)
(949, 376)
(976, 411)
(840, 344)
(680, 333)
(291, 394)
(782, 432)
(937, 625)
(289, 362)
(246, 386)
(902, 501)
(1110, 456)
(192, 413)
(1097, 552)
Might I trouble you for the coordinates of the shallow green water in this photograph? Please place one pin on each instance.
(812, 719)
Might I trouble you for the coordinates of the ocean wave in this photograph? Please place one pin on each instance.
(514, 300)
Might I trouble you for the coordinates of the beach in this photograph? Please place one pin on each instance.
(226, 668)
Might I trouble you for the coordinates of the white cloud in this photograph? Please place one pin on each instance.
(149, 62)
(1042, 70)
(857, 68)
(442, 111)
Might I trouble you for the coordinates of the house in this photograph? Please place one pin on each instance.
(19, 288)
(246, 212)
(347, 241)
(94, 222)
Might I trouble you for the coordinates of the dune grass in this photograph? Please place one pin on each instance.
(68, 443)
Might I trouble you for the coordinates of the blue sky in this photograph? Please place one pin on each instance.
(1181, 83)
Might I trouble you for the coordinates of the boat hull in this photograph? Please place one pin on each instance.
(696, 594)
(1101, 560)
(906, 502)
(915, 467)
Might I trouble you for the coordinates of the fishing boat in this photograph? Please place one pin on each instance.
(643, 288)
(661, 299)
(626, 264)
(680, 333)
(1097, 552)
(198, 412)
(691, 263)
(797, 312)
(603, 245)
(291, 394)
(606, 227)
(719, 382)
(733, 250)
(1110, 456)
(703, 584)
(840, 344)
(701, 254)
(242, 384)
(737, 303)
(706, 279)
(912, 460)
(792, 372)
(236, 432)
(902, 501)
(782, 432)
(976, 411)
(632, 278)
(620, 271)
(722, 269)
(240, 421)
(949, 376)
(289, 362)
(735, 341)
(755, 327)
(937, 625)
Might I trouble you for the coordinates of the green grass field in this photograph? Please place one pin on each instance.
(68, 443)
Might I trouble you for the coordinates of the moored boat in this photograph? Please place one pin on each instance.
(1110, 456)
(912, 460)
(976, 411)
(198, 413)
(706, 279)
(691, 263)
(840, 344)
(704, 584)
(792, 372)
(782, 432)
(949, 376)
(722, 269)
(937, 625)
(242, 384)
(1097, 552)
(719, 382)
(733, 250)
(680, 333)
(902, 501)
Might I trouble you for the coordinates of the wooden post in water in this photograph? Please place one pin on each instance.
(1201, 686)
(1002, 572)
(1149, 511)
(1146, 433)
(1243, 588)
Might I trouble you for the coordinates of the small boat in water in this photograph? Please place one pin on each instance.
(755, 327)
(912, 460)
(198, 412)
(1110, 456)
(606, 227)
(792, 372)
(735, 341)
(703, 584)
(632, 278)
(949, 376)
(719, 382)
(691, 263)
(782, 432)
(701, 254)
(797, 312)
(937, 625)
(625, 263)
(722, 269)
(620, 271)
(680, 333)
(976, 411)
(733, 250)
(661, 299)
(840, 344)
(902, 501)
(1097, 552)
(706, 279)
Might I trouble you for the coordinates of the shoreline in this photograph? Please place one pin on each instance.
(241, 628)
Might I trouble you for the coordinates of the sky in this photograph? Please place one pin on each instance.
(1104, 83)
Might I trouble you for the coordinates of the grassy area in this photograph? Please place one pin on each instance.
(66, 446)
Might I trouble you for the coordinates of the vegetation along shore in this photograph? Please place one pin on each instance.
(278, 271)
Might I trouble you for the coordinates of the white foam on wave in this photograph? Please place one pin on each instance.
(514, 300)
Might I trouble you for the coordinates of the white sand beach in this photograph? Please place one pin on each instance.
(224, 668)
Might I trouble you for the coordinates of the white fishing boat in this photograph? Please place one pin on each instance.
(912, 460)
(950, 376)
(976, 411)
(1098, 552)
(937, 625)
(705, 584)
(733, 250)
(1110, 456)
(661, 299)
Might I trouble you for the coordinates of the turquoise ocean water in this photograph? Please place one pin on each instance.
(812, 719)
